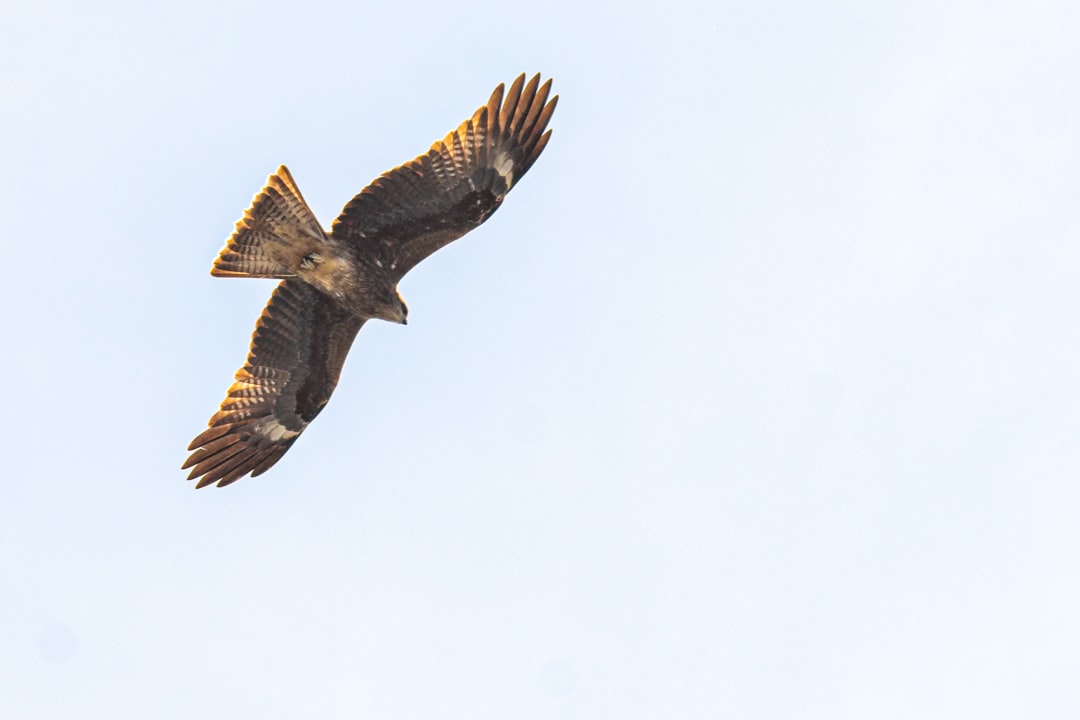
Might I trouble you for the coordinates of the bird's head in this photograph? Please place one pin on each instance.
(392, 308)
(404, 309)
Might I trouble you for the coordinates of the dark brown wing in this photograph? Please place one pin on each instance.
(297, 351)
(413, 210)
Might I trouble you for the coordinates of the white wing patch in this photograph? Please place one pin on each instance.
(274, 431)
(505, 167)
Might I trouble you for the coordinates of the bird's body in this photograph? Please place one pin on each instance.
(333, 282)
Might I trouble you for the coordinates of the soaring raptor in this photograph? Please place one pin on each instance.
(332, 283)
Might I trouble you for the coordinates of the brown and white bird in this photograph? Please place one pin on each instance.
(331, 283)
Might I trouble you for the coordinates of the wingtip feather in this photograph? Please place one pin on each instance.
(510, 103)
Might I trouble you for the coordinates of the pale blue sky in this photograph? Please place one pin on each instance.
(758, 398)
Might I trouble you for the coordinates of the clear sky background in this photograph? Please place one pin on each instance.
(758, 398)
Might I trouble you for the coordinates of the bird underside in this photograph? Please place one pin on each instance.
(333, 282)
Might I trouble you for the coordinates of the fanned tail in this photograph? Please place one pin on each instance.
(276, 232)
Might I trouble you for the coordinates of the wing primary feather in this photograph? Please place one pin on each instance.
(202, 453)
(268, 461)
(494, 106)
(524, 105)
(234, 462)
(214, 446)
(207, 435)
(537, 145)
(211, 461)
(529, 125)
(238, 472)
(510, 104)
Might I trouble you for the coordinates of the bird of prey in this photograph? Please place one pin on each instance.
(333, 282)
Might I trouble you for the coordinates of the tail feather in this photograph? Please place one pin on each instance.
(278, 228)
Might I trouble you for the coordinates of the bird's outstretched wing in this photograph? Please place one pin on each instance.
(413, 210)
(297, 352)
